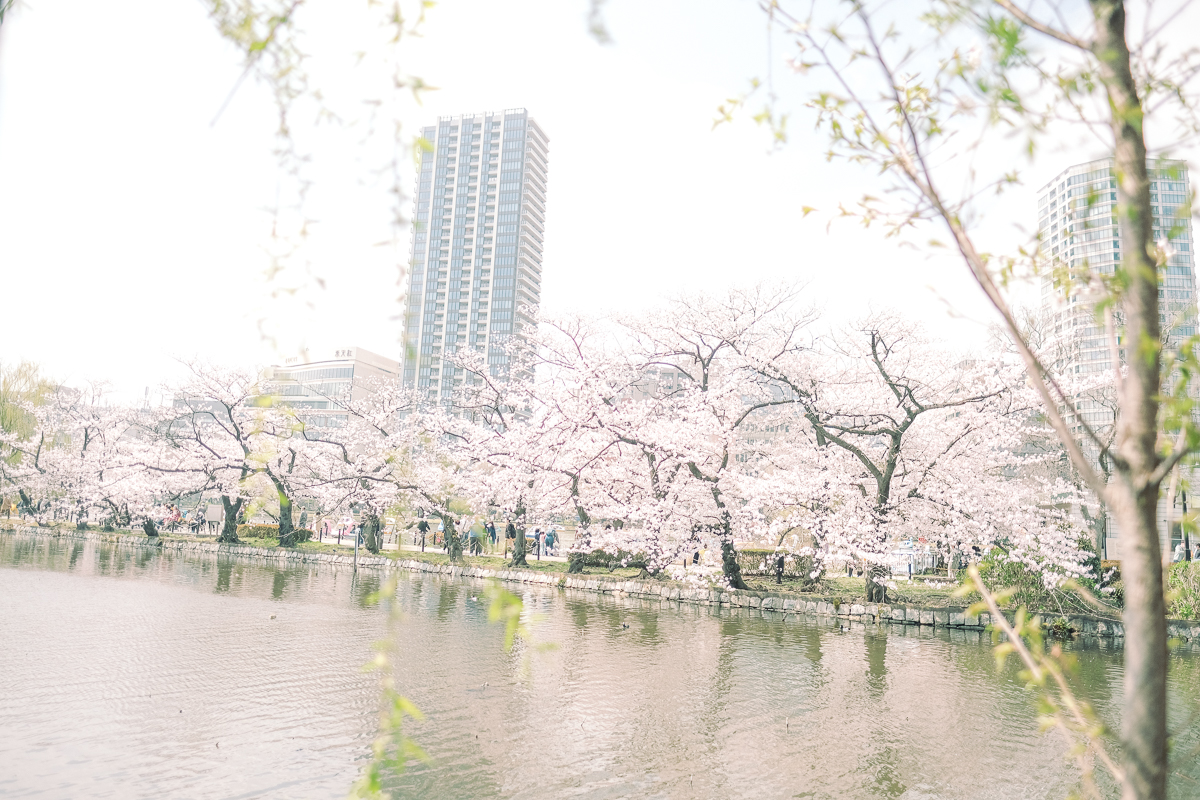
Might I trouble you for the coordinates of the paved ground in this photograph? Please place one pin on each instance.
(498, 554)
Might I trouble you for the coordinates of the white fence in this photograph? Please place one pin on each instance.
(913, 563)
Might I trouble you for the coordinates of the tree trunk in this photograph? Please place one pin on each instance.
(1097, 525)
(1143, 726)
(27, 507)
(1133, 491)
(287, 531)
(876, 590)
(730, 566)
(576, 558)
(519, 549)
(583, 539)
(453, 543)
(229, 525)
(371, 533)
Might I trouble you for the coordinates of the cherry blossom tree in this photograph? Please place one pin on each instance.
(856, 440)
(701, 420)
(213, 437)
(74, 460)
(916, 99)
(923, 442)
(397, 448)
(654, 458)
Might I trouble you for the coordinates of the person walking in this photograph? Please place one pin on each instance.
(510, 537)
(478, 532)
(490, 527)
(537, 542)
(551, 540)
(422, 529)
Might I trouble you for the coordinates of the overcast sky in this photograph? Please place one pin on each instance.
(133, 230)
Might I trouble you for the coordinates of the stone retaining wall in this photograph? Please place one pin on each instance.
(868, 613)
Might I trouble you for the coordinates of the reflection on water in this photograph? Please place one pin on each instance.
(135, 673)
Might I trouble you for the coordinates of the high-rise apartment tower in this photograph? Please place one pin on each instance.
(477, 244)
(1077, 224)
(1078, 227)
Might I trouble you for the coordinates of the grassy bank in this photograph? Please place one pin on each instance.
(834, 588)
(853, 590)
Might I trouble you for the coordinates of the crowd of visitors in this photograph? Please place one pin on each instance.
(479, 536)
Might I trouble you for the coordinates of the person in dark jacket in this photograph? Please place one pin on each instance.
(510, 535)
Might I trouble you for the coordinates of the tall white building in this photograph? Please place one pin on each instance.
(1077, 225)
(477, 244)
(1078, 228)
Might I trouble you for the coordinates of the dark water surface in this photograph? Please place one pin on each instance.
(134, 674)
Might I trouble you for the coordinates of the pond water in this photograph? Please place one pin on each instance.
(130, 673)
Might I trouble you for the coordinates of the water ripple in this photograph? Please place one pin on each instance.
(134, 674)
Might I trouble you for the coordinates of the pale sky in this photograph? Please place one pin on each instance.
(132, 229)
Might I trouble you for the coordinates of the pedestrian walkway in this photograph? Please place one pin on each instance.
(431, 548)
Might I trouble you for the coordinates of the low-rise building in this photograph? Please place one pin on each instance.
(317, 381)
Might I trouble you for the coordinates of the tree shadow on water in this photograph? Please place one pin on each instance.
(103, 560)
(76, 552)
(580, 612)
(224, 572)
(447, 601)
(278, 584)
(363, 587)
(881, 761)
(143, 558)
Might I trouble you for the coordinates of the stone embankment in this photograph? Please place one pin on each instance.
(784, 603)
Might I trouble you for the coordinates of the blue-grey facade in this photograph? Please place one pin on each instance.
(1077, 227)
(478, 230)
